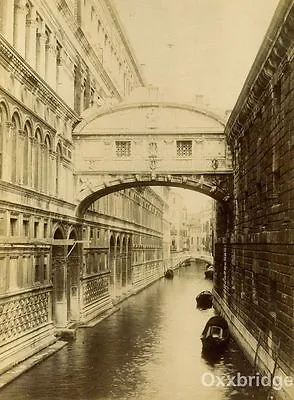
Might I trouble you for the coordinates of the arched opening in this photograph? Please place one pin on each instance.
(118, 264)
(58, 170)
(73, 278)
(124, 272)
(37, 159)
(216, 187)
(3, 127)
(132, 263)
(59, 279)
(16, 125)
(25, 155)
(46, 165)
(129, 262)
(112, 262)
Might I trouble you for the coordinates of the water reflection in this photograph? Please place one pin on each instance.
(149, 349)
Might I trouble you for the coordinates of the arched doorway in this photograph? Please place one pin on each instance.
(118, 263)
(129, 262)
(59, 280)
(112, 263)
(73, 279)
(124, 273)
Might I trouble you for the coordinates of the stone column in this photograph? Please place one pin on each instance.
(40, 48)
(51, 61)
(43, 169)
(52, 174)
(20, 156)
(19, 26)
(34, 144)
(31, 162)
(7, 19)
(31, 29)
(60, 73)
(6, 154)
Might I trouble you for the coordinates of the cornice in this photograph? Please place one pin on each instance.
(119, 26)
(33, 80)
(271, 60)
(101, 112)
(88, 49)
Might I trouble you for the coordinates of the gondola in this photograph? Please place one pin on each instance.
(215, 335)
(208, 273)
(169, 274)
(204, 299)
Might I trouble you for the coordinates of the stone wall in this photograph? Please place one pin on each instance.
(255, 258)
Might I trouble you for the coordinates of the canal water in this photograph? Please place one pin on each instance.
(149, 350)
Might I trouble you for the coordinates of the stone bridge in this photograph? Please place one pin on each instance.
(151, 143)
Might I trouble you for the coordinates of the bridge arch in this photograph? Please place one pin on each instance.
(218, 188)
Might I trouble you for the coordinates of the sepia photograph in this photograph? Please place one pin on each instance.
(146, 199)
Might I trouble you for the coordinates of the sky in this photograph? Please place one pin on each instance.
(197, 47)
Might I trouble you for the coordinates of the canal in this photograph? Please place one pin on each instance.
(149, 349)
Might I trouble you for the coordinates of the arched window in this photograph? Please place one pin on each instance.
(58, 169)
(46, 165)
(3, 120)
(25, 166)
(37, 159)
(15, 130)
(124, 262)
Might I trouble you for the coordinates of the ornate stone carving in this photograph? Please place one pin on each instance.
(95, 288)
(23, 313)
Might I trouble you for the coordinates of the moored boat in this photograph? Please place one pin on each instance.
(204, 299)
(169, 274)
(215, 335)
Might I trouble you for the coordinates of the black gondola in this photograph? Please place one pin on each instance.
(215, 335)
(169, 274)
(204, 299)
(208, 273)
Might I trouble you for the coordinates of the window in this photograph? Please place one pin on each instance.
(184, 148)
(123, 149)
(13, 226)
(25, 226)
(45, 229)
(36, 229)
(37, 269)
(45, 269)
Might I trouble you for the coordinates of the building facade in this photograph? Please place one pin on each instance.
(59, 60)
(254, 281)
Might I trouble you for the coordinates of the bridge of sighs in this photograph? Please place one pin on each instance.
(151, 142)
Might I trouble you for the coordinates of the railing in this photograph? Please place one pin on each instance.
(23, 312)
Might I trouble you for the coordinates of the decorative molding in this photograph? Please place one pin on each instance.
(23, 313)
(19, 66)
(216, 185)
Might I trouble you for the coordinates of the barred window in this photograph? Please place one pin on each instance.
(123, 148)
(184, 148)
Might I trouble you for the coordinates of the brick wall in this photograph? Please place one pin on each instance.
(258, 254)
